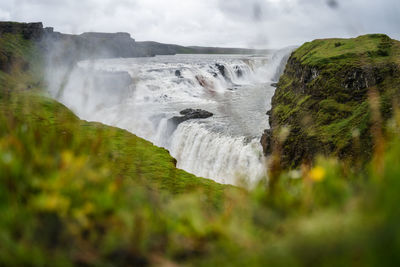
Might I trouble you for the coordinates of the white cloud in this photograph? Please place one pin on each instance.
(246, 23)
(4, 15)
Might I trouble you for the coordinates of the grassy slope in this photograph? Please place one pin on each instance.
(45, 148)
(365, 49)
(24, 102)
(73, 192)
(330, 112)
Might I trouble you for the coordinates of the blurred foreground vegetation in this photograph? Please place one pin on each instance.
(79, 193)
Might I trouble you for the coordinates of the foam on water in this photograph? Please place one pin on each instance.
(224, 158)
(236, 89)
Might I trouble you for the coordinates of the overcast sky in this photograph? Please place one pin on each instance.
(239, 23)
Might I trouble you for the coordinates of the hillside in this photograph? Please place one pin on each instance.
(324, 98)
(75, 193)
(60, 164)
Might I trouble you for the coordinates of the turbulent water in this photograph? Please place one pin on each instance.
(237, 89)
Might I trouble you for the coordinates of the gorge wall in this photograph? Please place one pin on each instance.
(28, 30)
(67, 49)
(322, 104)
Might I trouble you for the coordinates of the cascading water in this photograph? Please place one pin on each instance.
(236, 89)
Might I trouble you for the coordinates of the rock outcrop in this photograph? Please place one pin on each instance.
(91, 45)
(322, 99)
(189, 114)
(68, 48)
(30, 31)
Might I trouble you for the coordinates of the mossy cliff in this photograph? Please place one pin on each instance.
(322, 104)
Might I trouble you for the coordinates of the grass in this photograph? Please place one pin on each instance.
(60, 129)
(66, 167)
(79, 193)
(371, 48)
(323, 96)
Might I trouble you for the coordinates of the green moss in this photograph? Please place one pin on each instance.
(331, 106)
(323, 95)
(373, 47)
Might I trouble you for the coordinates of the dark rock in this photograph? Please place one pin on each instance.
(221, 69)
(196, 113)
(355, 80)
(204, 82)
(238, 71)
(188, 114)
(178, 74)
(30, 31)
(274, 85)
(266, 141)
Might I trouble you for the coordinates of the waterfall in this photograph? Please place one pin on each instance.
(142, 95)
(226, 159)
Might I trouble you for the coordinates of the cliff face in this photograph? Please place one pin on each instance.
(10, 33)
(67, 48)
(28, 30)
(323, 98)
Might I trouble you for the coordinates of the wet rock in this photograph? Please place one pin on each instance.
(204, 82)
(189, 114)
(238, 71)
(178, 74)
(274, 85)
(221, 69)
(266, 141)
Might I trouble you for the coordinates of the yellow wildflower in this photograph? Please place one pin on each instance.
(112, 187)
(53, 202)
(67, 158)
(317, 174)
(88, 208)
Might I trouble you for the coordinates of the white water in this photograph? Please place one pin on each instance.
(224, 147)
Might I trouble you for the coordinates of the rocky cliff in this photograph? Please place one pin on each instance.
(322, 104)
(28, 30)
(69, 48)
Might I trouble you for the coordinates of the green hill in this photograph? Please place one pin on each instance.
(56, 171)
(74, 193)
(324, 96)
